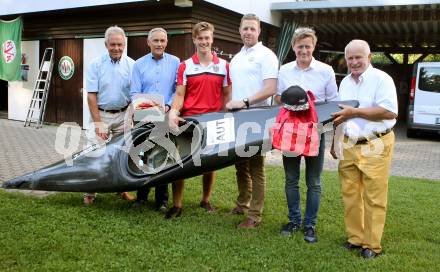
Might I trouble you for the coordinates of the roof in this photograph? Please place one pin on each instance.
(341, 4)
(404, 26)
(25, 6)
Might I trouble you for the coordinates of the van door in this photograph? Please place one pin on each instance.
(427, 94)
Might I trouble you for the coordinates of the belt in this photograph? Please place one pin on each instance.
(114, 111)
(377, 134)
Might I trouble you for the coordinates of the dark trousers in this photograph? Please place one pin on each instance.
(160, 194)
(314, 167)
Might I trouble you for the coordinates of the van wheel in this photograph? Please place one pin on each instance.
(411, 133)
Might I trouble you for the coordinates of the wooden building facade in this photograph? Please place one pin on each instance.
(66, 30)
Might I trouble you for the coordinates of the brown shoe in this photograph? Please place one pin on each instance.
(127, 196)
(207, 206)
(237, 211)
(173, 212)
(248, 224)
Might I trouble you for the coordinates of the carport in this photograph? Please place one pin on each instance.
(389, 26)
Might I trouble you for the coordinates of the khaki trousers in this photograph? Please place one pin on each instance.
(364, 185)
(116, 123)
(251, 181)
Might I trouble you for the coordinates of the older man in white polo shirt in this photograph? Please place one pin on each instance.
(367, 148)
(254, 72)
(320, 79)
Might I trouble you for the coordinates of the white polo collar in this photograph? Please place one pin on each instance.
(249, 49)
(364, 75)
(312, 65)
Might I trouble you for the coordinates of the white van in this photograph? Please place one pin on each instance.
(424, 98)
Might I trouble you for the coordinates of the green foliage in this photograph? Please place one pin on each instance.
(380, 59)
(58, 233)
(432, 57)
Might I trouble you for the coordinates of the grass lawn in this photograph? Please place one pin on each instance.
(58, 233)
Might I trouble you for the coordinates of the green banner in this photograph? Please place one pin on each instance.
(10, 51)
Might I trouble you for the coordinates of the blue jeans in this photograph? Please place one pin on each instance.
(314, 167)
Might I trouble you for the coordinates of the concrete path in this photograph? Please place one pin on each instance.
(415, 158)
(27, 149)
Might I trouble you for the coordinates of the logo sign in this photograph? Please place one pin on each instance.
(66, 67)
(220, 131)
(9, 51)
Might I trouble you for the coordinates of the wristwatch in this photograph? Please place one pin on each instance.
(246, 102)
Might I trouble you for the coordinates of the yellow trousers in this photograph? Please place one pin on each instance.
(363, 171)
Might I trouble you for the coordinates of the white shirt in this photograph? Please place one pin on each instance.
(249, 68)
(318, 78)
(375, 88)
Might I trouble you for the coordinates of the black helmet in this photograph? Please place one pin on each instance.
(295, 98)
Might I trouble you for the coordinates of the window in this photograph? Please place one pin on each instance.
(429, 79)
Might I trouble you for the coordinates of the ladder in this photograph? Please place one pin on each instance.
(37, 107)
